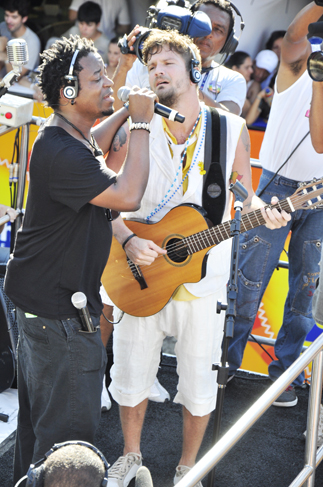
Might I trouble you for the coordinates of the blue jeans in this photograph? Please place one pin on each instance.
(60, 375)
(259, 253)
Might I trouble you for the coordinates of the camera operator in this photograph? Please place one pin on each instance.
(219, 87)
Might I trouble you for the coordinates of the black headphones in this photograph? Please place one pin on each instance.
(72, 86)
(232, 41)
(195, 74)
(36, 472)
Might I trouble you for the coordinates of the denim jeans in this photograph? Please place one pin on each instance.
(60, 375)
(259, 253)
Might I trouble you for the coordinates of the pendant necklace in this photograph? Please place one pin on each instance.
(93, 144)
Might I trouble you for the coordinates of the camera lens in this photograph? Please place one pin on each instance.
(315, 66)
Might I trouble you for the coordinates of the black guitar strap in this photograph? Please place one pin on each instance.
(214, 181)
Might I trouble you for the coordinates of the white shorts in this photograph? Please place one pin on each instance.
(136, 348)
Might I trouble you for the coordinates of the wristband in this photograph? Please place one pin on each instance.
(127, 240)
(140, 126)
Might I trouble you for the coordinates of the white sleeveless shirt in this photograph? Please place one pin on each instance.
(163, 169)
(288, 123)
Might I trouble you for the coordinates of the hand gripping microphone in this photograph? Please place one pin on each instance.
(79, 300)
(173, 115)
(17, 52)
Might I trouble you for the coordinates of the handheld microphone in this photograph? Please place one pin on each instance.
(79, 300)
(143, 478)
(17, 52)
(173, 115)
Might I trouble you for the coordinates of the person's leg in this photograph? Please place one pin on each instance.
(132, 420)
(304, 258)
(193, 433)
(199, 332)
(63, 371)
(259, 253)
(136, 347)
(25, 437)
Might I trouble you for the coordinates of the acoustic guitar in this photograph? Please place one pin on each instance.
(184, 233)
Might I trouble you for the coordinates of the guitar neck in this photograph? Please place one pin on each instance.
(214, 235)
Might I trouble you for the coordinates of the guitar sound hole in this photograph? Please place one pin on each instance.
(176, 250)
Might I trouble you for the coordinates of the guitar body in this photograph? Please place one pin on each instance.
(165, 274)
(184, 233)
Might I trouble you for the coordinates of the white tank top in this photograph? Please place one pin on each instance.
(287, 125)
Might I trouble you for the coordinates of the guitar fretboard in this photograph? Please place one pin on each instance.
(215, 235)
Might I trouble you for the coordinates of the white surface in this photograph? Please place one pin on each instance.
(8, 405)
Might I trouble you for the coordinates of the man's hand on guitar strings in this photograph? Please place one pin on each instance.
(275, 218)
(143, 252)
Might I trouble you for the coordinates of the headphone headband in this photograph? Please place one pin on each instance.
(71, 89)
(36, 472)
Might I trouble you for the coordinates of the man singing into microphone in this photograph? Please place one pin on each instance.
(64, 244)
(177, 157)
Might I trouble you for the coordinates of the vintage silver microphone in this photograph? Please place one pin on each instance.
(17, 52)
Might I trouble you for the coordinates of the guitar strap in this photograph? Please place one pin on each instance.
(214, 181)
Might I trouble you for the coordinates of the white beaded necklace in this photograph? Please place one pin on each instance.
(167, 198)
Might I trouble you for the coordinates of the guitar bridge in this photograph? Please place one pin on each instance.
(137, 274)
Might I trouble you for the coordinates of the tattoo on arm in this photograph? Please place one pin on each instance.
(119, 140)
(245, 139)
(235, 176)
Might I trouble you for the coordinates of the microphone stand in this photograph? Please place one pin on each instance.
(240, 194)
(9, 80)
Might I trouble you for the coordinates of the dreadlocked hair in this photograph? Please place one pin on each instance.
(56, 63)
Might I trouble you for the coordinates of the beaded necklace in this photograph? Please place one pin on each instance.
(167, 198)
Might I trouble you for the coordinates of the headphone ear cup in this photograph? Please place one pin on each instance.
(195, 74)
(70, 92)
(35, 476)
(230, 45)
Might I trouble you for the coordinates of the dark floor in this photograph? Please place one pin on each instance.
(271, 454)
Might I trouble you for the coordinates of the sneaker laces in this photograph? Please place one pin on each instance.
(122, 465)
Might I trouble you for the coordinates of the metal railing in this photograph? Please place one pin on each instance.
(312, 456)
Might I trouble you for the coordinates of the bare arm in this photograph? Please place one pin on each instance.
(228, 106)
(241, 168)
(296, 47)
(139, 250)
(72, 15)
(316, 117)
(9, 211)
(125, 63)
(255, 109)
(126, 193)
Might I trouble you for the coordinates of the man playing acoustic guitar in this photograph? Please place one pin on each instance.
(177, 158)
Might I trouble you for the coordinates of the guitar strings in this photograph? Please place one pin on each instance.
(254, 218)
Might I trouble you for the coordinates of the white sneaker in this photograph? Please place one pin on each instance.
(158, 393)
(320, 429)
(105, 398)
(180, 471)
(124, 470)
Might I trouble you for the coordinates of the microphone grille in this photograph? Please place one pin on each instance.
(123, 93)
(79, 300)
(17, 52)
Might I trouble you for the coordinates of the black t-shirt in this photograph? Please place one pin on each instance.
(65, 241)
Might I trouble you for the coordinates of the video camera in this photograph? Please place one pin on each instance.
(176, 15)
(315, 60)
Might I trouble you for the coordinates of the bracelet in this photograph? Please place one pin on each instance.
(140, 126)
(127, 240)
